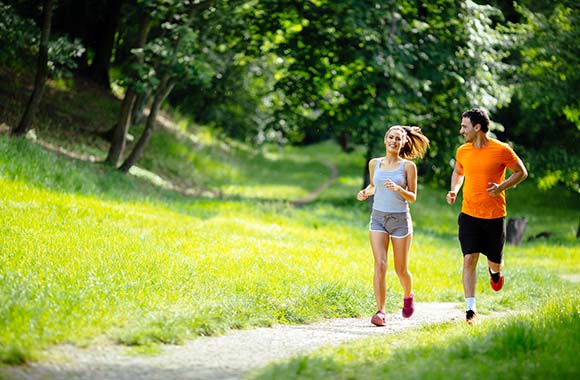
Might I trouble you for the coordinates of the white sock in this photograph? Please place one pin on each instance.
(470, 302)
(492, 271)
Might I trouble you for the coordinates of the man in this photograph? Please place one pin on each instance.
(482, 163)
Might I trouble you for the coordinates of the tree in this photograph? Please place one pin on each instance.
(25, 123)
(98, 71)
(546, 105)
(173, 56)
(119, 133)
(351, 69)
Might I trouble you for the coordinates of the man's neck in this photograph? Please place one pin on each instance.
(480, 140)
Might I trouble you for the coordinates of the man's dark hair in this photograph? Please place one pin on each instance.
(478, 116)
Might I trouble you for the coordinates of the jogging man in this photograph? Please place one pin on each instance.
(481, 162)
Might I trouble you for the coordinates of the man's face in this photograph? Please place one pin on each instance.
(468, 130)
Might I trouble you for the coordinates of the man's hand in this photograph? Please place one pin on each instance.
(493, 189)
(450, 197)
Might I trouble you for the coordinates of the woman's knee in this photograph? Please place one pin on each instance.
(381, 266)
(403, 272)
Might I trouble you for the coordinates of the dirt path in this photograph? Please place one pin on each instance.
(226, 357)
(314, 194)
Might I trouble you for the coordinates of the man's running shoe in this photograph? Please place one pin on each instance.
(379, 319)
(495, 285)
(408, 306)
(471, 317)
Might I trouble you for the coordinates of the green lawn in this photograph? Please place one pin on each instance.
(87, 253)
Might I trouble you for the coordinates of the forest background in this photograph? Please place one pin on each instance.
(301, 72)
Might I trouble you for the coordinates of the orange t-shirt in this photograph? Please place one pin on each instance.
(481, 166)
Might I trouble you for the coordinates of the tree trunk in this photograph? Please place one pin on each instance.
(119, 133)
(165, 86)
(140, 103)
(515, 230)
(344, 141)
(99, 69)
(162, 91)
(41, 73)
(119, 137)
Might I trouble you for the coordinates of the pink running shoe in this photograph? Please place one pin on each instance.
(408, 306)
(379, 319)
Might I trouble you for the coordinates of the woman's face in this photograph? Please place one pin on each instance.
(394, 140)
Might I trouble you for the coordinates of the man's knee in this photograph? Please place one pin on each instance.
(470, 260)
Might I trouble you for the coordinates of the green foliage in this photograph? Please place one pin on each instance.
(15, 34)
(350, 70)
(553, 166)
(302, 72)
(543, 116)
(19, 40)
(550, 60)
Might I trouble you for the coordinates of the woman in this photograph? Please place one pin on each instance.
(393, 182)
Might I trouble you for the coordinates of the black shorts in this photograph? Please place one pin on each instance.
(486, 236)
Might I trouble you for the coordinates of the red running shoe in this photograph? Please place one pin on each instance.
(495, 285)
(379, 319)
(408, 306)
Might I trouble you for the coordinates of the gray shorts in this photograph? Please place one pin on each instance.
(396, 224)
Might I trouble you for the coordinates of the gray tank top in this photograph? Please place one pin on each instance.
(385, 200)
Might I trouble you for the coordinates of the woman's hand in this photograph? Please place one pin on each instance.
(391, 186)
(362, 195)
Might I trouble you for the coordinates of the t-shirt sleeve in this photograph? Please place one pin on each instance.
(458, 157)
(510, 158)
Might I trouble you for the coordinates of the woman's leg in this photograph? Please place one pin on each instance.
(401, 249)
(380, 247)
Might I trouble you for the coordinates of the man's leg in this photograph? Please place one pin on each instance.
(496, 241)
(469, 281)
(495, 275)
(469, 274)
(495, 267)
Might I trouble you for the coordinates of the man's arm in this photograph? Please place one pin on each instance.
(519, 173)
(456, 183)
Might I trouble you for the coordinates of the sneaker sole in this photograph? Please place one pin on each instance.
(377, 321)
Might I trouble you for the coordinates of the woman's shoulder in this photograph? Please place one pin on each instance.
(375, 160)
(408, 164)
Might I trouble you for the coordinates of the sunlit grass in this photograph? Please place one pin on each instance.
(87, 253)
(538, 345)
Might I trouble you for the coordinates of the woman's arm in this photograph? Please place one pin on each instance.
(370, 189)
(409, 193)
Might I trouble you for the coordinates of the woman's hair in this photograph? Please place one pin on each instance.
(478, 116)
(415, 144)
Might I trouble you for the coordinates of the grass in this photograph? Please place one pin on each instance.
(88, 254)
(538, 345)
